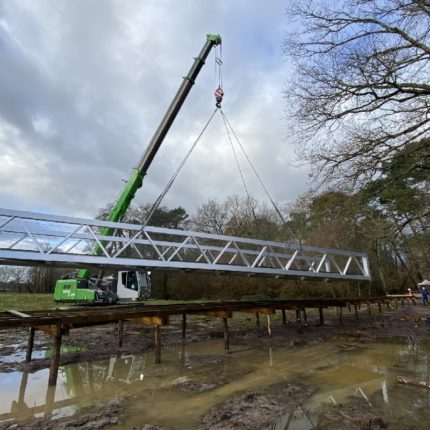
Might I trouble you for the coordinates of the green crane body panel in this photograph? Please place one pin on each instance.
(67, 290)
(117, 212)
(135, 181)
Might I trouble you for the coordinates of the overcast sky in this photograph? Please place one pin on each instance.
(84, 85)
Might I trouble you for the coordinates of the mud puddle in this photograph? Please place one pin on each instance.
(197, 383)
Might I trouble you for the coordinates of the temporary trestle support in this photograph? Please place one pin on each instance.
(59, 322)
(265, 311)
(28, 238)
(54, 330)
(30, 345)
(157, 321)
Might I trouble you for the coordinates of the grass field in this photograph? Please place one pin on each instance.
(33, 302)
(26, 301)
(36, 302)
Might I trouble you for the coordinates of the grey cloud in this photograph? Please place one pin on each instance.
(83, 85)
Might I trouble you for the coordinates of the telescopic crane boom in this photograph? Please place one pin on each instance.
(135, 180)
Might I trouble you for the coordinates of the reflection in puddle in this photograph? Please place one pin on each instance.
(196, 377)
(19, 356)
(297, 419)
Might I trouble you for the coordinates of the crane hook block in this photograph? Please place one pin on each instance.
(219, 94)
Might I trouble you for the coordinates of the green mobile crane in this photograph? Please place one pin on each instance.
(132, 285)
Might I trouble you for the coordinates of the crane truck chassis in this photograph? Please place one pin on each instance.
(130, 285)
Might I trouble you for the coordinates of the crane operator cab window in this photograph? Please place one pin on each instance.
(135, 285)
(129, 280)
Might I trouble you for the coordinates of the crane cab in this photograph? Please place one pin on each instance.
(133, 285)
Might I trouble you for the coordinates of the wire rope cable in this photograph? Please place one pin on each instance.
(166, 189)
(218, 65)
(242, 176)
(260, 180)
(169, 184)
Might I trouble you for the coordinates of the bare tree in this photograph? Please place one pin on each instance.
(211, 217)
(14, 274)
(238, 216)
(42, 279)
(361, 90)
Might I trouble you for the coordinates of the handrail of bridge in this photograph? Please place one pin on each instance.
(29, 238)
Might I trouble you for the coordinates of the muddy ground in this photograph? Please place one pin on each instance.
(250, 410)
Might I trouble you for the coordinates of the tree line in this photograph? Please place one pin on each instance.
(383, 219)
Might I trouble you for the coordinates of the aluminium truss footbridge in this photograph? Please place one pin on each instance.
(32, 239)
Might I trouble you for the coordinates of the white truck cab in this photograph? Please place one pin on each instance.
(133, 285)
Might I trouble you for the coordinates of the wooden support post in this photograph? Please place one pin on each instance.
(226, 335)
(380, 307)
(340, 316)
(157, 335)
(30, 345)
(257, 319)
(349, 307)
(388, 305)
(284, 317)
(120, 332)
(356, 313)
(184, 325)
(369, 310)
(269, 325)
(321, 316)
(299, 321)
(55, 360)
(403, 303)
(305, 317)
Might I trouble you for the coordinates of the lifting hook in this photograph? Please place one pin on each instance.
(219, 94)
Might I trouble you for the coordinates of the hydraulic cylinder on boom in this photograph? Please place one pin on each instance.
(79, 289)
